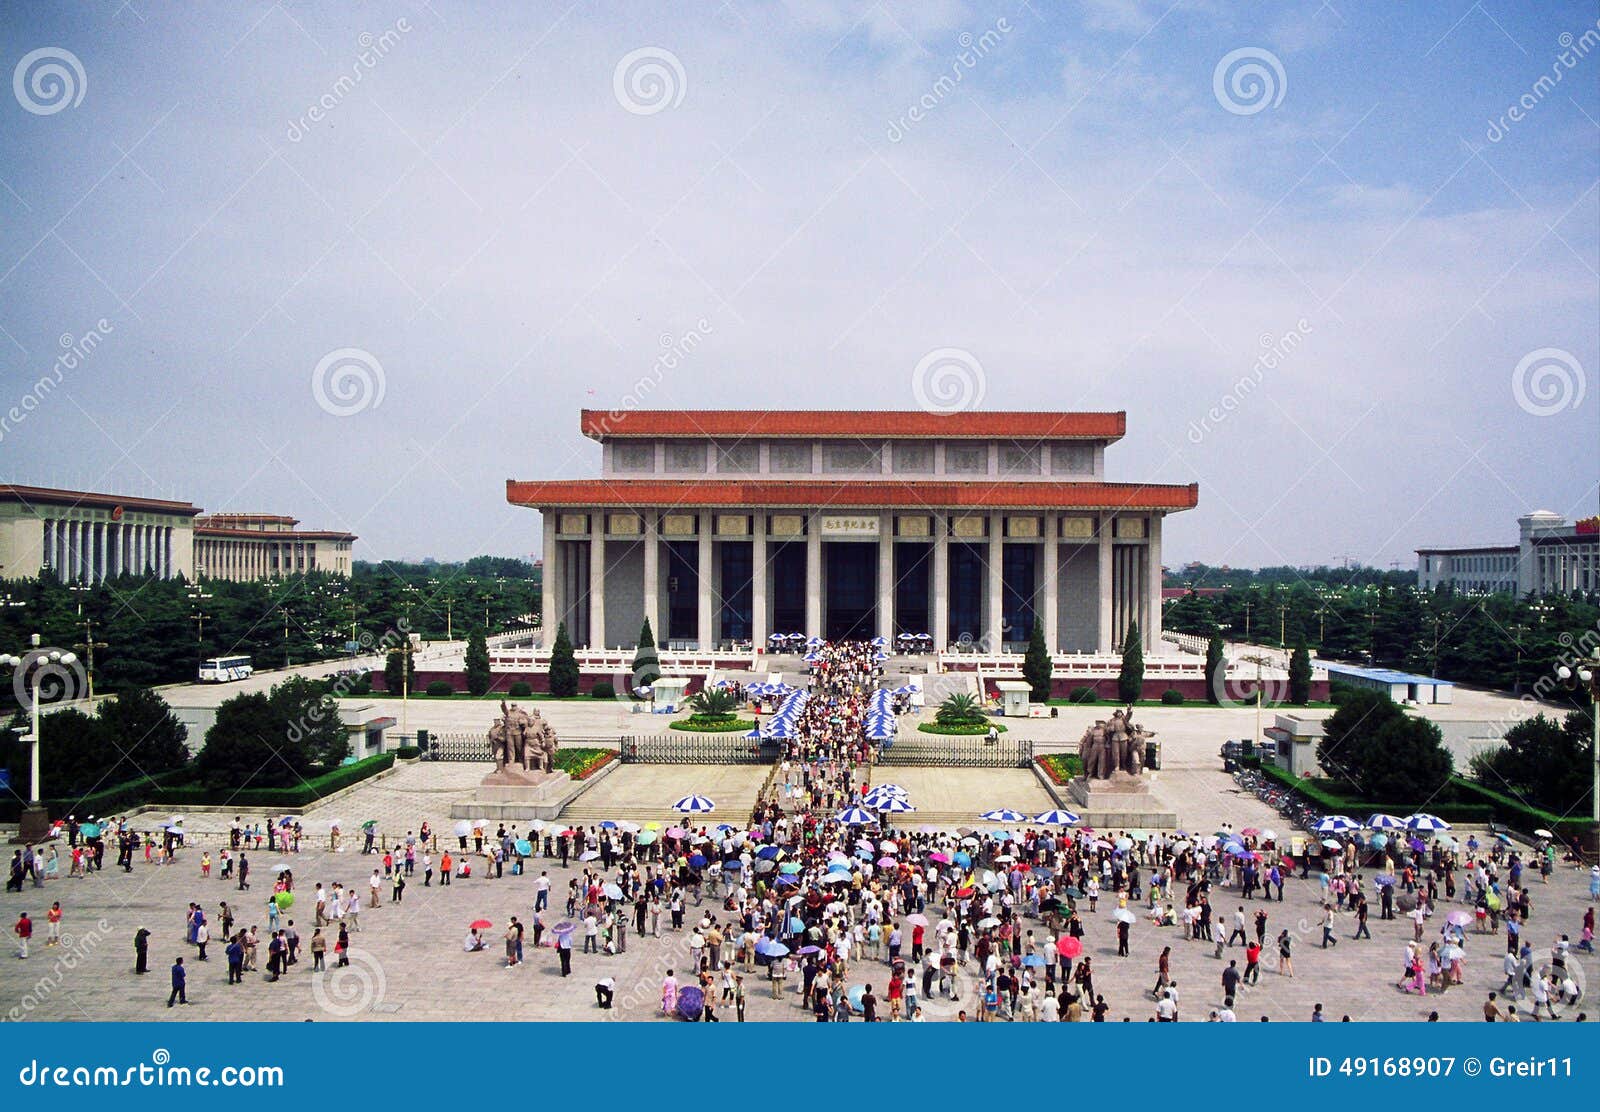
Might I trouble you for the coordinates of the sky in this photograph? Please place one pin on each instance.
(361, 263)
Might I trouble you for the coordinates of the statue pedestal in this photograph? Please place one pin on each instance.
(519, 785)
(1123, 802)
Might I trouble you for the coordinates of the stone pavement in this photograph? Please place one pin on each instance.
(407, 962)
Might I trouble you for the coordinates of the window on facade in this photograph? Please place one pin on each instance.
(686, 455)
(912, 458)
(850, 455)
(633, 457)
(789, 457)
(742, 457)
(965, 458)
(1072, 458)
(1019, 459)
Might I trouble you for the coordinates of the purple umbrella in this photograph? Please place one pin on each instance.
(691, 1001)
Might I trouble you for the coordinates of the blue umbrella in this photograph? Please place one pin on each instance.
(732, 865)
(1426, 822)
(963, 859)
(607, 824)
(1335, 824)
(1384, 822)
(771, 948)
(895, 807)
(769, 853)
(796, 925)
(1003, 814)
(694, 805)
(855, 816)
(524, 847)
(697, 861)
(1033, 961)
(1056, 818)
(785, 881)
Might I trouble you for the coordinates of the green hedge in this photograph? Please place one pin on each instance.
(119, 797)
(1172, 697)
(521, 689)
(603, 689)
(713, 724)
(408, 753)
(975, 728)
(1462, 802)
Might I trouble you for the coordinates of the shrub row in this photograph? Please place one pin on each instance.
(974, 728)
(713, 724)
(582, 763)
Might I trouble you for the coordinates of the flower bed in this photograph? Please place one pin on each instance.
(582, 763)
(1062, 768)
(974, 728)
(715, 724)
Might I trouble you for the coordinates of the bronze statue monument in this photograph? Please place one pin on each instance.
(1108, 749)
(522, 741)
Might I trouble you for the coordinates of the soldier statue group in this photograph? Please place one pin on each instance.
(1107, 748)
(523, 740)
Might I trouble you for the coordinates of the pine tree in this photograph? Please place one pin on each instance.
(646, 662)
(563, 666)
(1037, 666)
(1300, 674)
(1130, 681)
(1216, 669)
(479, 676)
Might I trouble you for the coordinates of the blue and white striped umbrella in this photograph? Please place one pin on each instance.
(694, 805)
(893, 805)
(855, 816)
(1385, 822)
(1003, 814)
(1426, 822)
(814, 642)
(1336, 824)
(879, 642)
(1056, 818)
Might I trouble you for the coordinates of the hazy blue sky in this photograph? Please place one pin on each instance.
(510, 214)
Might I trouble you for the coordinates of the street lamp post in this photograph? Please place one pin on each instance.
(35, 822)
(89, 645)
(1587, 674)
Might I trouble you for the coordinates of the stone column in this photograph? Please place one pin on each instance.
(1050, 572)
(813, 576)
(1103, 638)
(706, 581)
(758, 581)
(940, 603)
(652, 572)
(114, 546)
(996, 580)
(886, 575)
(98, 550)
(550, 580)
(597, 581)
(1152, 554)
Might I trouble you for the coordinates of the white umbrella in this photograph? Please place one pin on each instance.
(1123, 915)
(281, 867)
(988, 922)
(479, 824)
(1003, 814)
(176, 820)
(463, 828)
(335, 824)
(1425, 822)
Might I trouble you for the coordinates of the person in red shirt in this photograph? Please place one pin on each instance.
(916, 942)
(24, 931)
(1252, 963)
(53, 917)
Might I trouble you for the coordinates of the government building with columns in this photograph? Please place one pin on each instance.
(726, 526)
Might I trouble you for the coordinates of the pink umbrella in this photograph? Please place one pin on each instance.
(918, 920)
(1069, 947)
(676, 832)
(939, 858)
(1460, 918)
(887, 862)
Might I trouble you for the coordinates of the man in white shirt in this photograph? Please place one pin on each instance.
(375, 883)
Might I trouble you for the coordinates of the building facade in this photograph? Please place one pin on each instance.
(85, 537)
(1551, 556)
(725, 526)
(241, 547)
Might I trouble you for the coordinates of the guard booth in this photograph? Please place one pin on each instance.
(1014, 696)
(667, 693)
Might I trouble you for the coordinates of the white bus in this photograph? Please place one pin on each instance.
(224, 669)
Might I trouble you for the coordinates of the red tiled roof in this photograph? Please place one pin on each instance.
(275, 537)
(601, 424)
(47, 496)
(980, 494)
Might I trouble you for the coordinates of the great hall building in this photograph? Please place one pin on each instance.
(725, 526)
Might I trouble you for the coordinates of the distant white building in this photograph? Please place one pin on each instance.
(1552, 556)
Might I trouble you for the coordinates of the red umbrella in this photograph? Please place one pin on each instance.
(480, 924)
(1069, 947)
(963, 893)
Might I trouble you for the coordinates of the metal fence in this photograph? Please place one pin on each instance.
(453, 747)
(958, 751)
(707, 749)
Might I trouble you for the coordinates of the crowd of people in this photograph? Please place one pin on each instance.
(848, 915)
